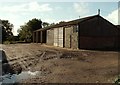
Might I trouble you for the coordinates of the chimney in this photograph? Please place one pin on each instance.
(98, 11)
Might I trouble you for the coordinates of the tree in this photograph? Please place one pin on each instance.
(34, 24)
(26, 31)
(6, 30)
(52, 24)
(61, 22)
(45, 24)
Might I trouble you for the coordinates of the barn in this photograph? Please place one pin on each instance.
(93, 32)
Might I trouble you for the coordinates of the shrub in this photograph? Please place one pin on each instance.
(6, 42)
(9, 42)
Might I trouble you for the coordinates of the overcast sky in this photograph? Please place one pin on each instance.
(22, 11)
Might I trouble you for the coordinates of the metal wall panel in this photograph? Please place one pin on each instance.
(50, 37)
(60, 37)
(55, 37)
(68, 31)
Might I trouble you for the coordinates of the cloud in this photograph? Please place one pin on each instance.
(28, 7)
(19, 13)
(113, 17)
(34, 6)
(81, 8)
(16, 20)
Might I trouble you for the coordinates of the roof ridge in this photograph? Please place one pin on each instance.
(85, 17)
(72, 22)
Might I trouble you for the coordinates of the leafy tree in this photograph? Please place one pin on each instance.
(6, 30)
(45, 24)
(52, 24)
(34, 24)
(26, 31)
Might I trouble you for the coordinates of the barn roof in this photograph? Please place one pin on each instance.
(108, 30)
(73, 22)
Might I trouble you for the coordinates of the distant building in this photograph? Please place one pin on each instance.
(93, 32)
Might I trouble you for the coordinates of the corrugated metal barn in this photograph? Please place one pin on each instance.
(92, 32)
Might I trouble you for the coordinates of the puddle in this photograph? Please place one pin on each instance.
(7, 78)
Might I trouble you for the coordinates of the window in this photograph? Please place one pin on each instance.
(75, 28)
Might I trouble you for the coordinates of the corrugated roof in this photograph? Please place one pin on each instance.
(73, 22)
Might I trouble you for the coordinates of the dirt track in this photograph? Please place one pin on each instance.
(62, 65)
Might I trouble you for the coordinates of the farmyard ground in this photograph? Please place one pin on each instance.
(64, 65)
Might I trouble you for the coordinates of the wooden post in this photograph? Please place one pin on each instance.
(40, 36)
(33, 37)
(36, 37)
(70, 41)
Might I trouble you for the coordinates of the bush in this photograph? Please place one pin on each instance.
(6, 42)
(9, 42)
(13, 42)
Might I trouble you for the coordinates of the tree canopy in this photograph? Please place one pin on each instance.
(6, 27)
(45, 24)
(26, 31)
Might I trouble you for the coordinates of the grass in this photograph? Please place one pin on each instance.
(9, 42)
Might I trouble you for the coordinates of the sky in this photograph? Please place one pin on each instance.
(20, 12)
